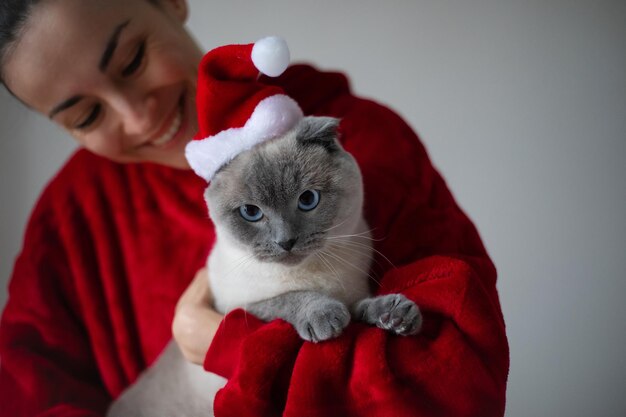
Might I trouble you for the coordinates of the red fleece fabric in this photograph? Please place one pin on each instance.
(109, 249)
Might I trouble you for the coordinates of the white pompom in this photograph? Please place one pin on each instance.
(271, 55)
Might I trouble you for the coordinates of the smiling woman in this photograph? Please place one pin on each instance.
(128, 92)
(111, 267)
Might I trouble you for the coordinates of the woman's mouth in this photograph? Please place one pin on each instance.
(176, 126)
(171, 131)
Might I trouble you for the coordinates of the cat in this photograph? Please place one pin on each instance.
(291, 243)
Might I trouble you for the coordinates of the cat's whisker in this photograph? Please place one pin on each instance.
(340, 259)
(319, 256)
(355, 250)
(355, 236)
(240, 263)
(349, 242)
(378, 252)
(245, 312)
(362, 235)
(337, 225)
(364, 232)
(332, 268)
(328, 264)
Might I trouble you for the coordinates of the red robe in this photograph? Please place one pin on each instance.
(109, 249)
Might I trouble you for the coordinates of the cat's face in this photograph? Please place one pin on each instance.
(284, 198)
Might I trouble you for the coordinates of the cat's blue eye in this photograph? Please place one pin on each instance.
(308, 200)
(250, 213)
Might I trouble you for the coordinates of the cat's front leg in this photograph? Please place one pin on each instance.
(315, 316)
(393, 312)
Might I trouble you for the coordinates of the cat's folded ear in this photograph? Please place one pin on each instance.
(319, 131)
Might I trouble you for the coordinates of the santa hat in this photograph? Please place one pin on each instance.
(235, 110)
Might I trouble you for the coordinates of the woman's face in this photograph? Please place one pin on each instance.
(119, 75)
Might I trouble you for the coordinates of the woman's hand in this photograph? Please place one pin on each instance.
(195, 321)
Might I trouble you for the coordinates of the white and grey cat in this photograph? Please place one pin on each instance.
(291, 243)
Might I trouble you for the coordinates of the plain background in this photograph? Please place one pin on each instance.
(522, 107)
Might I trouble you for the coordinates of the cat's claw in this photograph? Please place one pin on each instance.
(323, 323)
(392, 312)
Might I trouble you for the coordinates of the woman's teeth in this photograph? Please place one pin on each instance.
(171, 132)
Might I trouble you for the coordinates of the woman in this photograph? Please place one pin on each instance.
(118, 235)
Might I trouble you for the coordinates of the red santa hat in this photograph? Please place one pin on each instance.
(235, 110)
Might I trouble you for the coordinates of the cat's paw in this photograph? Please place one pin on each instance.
(322, 320)
(392, 312)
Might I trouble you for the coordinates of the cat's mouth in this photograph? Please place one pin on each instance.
(285, 258)
(290, 257)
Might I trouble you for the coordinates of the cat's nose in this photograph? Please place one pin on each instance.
(287, 244)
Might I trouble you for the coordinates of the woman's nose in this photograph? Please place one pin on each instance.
(139, 115)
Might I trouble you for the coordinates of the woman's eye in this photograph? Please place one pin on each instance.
(92, 117)
(250, 213)
(134, 65)
(308, 200)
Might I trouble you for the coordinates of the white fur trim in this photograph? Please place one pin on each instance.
(271, 55)
(272, 117)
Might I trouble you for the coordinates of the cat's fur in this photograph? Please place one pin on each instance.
(308, 267)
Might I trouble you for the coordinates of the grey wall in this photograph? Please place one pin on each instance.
(522, 106)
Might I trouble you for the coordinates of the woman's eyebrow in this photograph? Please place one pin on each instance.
(64, 105)
(111, 45)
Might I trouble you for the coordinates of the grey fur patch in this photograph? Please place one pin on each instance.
(320, 131)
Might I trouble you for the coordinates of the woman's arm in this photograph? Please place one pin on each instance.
(47, 366)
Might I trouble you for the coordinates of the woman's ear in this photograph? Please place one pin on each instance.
(177, 8)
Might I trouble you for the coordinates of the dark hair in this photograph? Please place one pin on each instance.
(13, 17)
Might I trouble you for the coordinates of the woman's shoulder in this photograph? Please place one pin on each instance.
(88, 182)
(82, 171)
